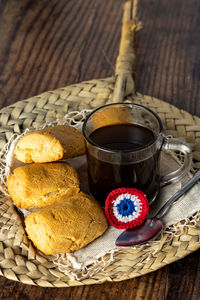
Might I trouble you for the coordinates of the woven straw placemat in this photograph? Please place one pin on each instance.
(19, 261)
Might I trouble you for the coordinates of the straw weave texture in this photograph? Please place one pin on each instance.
(19, 260)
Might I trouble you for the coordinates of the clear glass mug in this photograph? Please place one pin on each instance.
(124, 142)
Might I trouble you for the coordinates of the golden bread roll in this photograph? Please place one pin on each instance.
(112, 116)
(50, 144)
(66, 226)
(38, 185)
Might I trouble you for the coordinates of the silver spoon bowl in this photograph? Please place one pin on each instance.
(152, 226)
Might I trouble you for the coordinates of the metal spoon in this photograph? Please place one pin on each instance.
(152, 226)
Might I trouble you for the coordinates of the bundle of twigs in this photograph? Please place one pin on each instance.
(124, 83)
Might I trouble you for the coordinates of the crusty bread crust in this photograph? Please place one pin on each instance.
(66, 226)
(38, 185)
(110, 116)
(50, 144)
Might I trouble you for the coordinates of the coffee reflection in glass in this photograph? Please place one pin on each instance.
(123, 142)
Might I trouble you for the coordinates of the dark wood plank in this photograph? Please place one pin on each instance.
(167, 52)
(49, 44)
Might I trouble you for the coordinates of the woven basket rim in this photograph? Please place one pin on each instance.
(19, 260)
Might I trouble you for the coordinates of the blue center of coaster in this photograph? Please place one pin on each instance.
(126, 207)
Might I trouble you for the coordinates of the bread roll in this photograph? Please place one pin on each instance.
(66, 226)
(112, 116)
(50, 144)
(38, 185)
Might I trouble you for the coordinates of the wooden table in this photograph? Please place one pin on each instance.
(49, 44)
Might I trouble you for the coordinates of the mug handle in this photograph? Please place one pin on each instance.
(177, 145)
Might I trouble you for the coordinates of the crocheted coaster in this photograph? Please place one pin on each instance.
(126, 208)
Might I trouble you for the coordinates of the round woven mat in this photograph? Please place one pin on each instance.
(19, 260)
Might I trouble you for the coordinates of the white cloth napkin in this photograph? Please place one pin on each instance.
(79, 262)
(183, 208)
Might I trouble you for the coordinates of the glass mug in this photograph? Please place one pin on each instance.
(123, 144)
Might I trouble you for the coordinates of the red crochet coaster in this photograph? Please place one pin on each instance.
(126, 208)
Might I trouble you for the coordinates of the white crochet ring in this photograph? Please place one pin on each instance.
(126, 208)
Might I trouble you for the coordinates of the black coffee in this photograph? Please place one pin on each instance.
(105, 176)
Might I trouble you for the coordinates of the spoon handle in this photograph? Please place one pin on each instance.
(178, 194)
